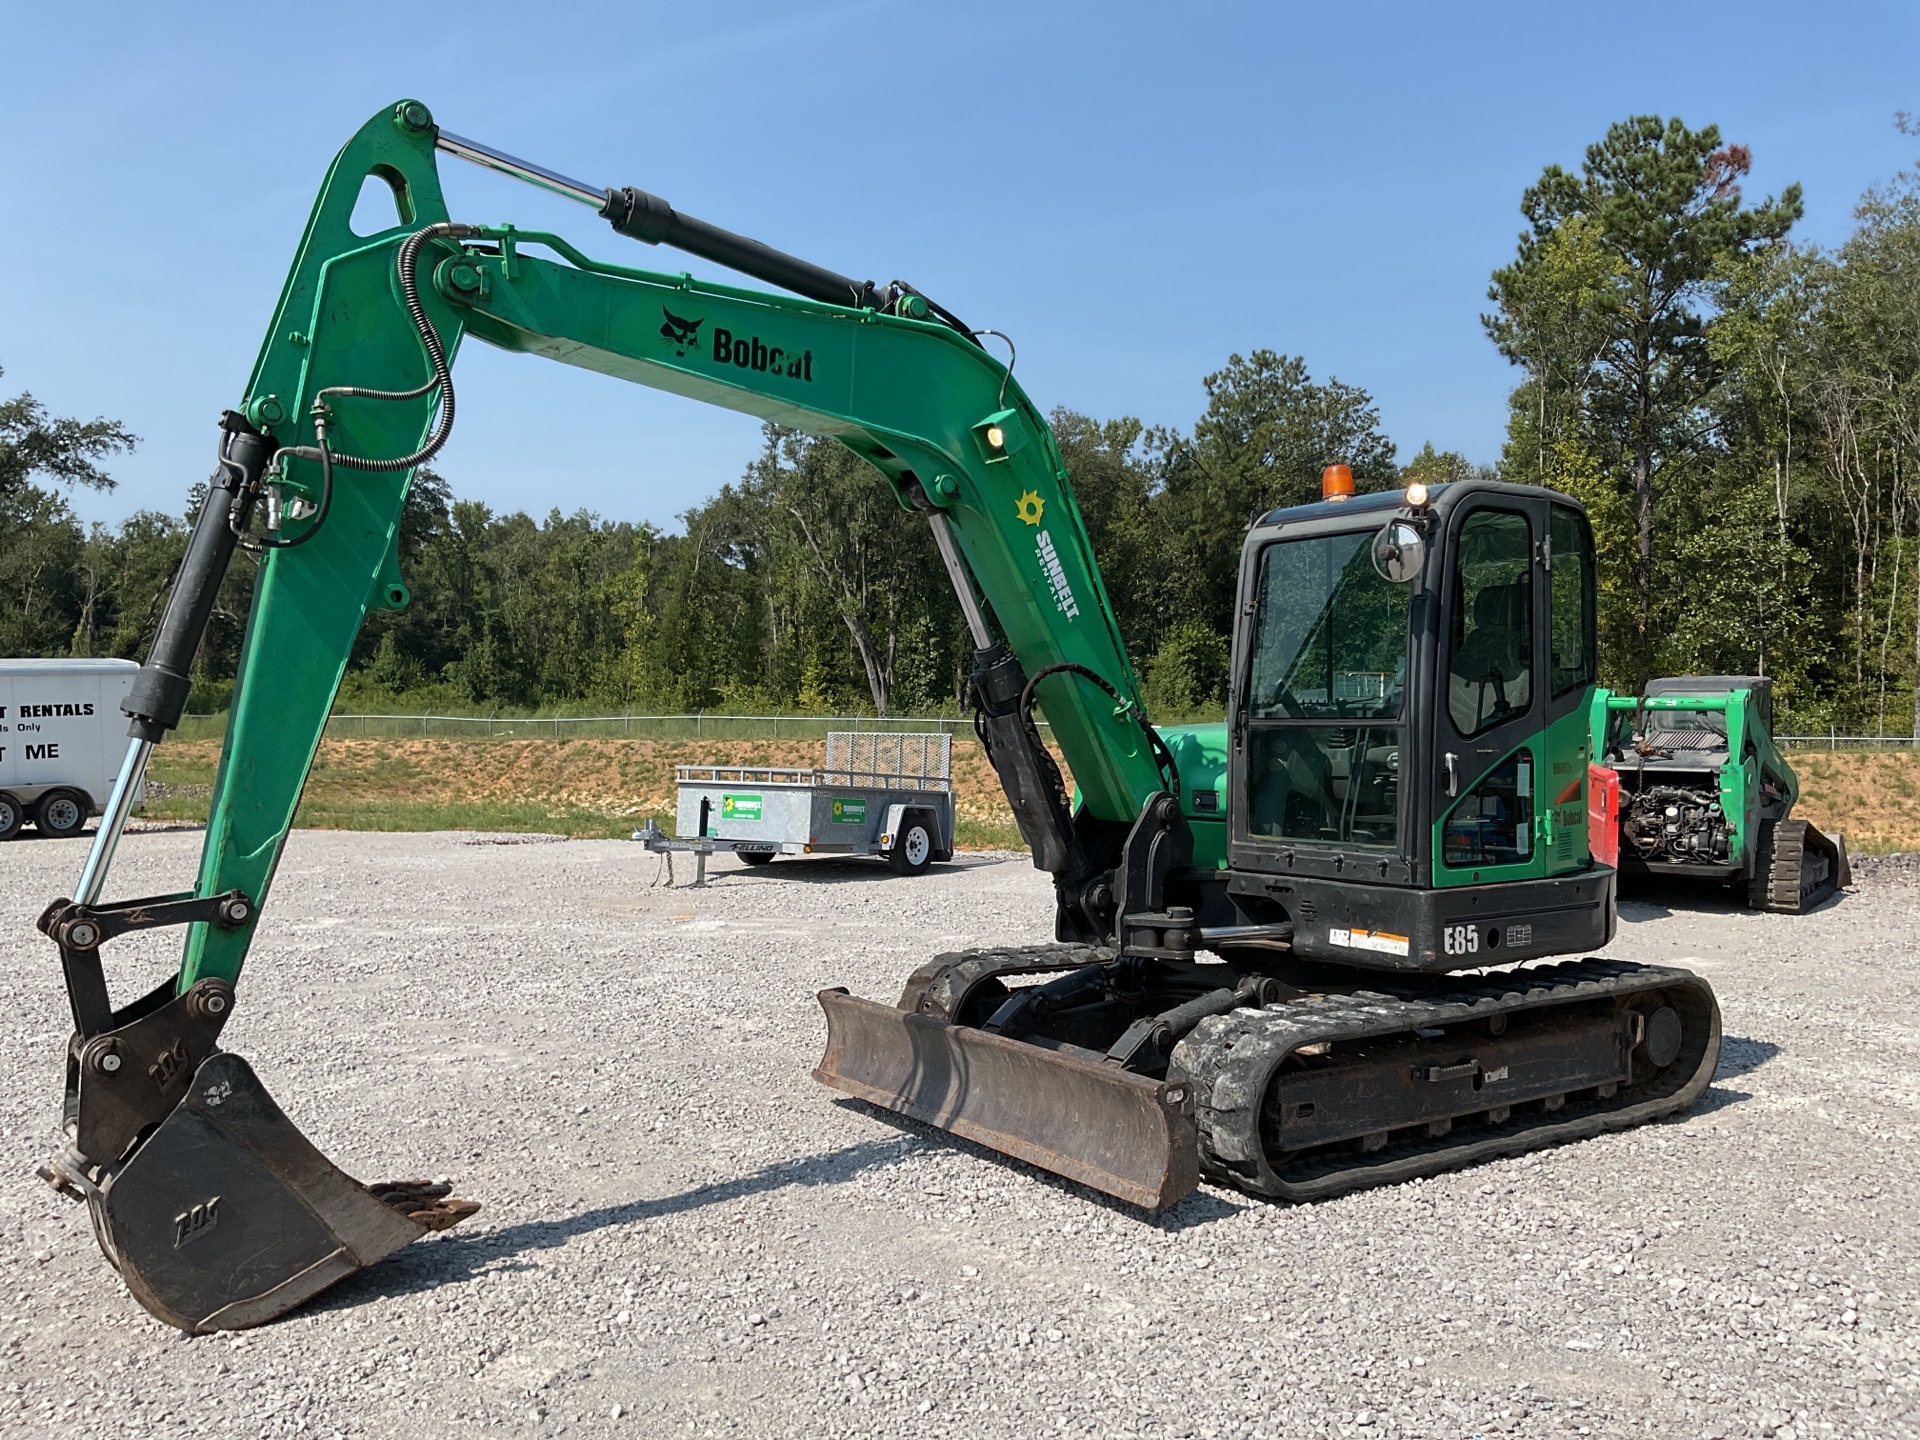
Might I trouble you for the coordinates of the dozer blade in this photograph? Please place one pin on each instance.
(1121, 1133)
(228, 1217)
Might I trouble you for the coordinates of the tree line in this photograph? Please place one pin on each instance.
(1739, 411)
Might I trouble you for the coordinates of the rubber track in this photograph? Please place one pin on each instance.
(1231, 1060)
(1787, 891)
(941, 986)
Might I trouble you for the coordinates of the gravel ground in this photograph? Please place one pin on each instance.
(684, 1235)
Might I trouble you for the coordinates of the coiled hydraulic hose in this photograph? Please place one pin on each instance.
(407, 262)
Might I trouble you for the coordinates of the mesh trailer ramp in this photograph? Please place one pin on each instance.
(887, 793)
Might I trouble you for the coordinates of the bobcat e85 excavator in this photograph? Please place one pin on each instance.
(1261, 925)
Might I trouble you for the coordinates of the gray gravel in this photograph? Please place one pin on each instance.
(684, 1235)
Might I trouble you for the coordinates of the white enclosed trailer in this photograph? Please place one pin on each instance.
(62, 738)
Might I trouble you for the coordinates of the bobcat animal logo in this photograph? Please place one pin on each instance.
(683, 335)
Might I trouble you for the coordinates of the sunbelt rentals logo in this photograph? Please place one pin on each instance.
(1056, 576)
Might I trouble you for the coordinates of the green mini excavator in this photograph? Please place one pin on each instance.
(1291, 952)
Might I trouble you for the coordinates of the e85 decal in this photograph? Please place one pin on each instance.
(1460, 940)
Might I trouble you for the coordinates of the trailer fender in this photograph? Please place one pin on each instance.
(896, 817)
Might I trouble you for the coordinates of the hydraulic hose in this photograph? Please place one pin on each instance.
(408, 263)
(1163, 757)
(441, 377)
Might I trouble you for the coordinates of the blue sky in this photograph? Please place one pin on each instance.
(1133, 192)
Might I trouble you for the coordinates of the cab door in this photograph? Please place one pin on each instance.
(1491, 709)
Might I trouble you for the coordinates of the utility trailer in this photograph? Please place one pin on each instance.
(879, 793)
(61, 740)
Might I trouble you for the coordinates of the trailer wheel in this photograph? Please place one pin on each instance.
(60, 814)
(756, 857)
(912, 850)
(10, 816)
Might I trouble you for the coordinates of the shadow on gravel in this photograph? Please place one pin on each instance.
(460, 1255)
(847, 870)
(1718, 1097)
(1200, 1208)
(1738, 1055)
(1657, 899)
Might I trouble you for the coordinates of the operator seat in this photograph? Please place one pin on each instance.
(1491, 677)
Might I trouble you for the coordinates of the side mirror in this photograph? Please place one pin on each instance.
(1399, 550)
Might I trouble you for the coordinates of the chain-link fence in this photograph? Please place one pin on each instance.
(1835, 741)
(704, 726)
(698, 726)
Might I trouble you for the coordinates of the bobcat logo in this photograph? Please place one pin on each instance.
(683, 335)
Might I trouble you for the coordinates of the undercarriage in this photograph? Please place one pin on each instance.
(1280, 1078)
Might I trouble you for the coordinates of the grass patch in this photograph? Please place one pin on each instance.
(987, 834)
(1870, 796)
(585, 788)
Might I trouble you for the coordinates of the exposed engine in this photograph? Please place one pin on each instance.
(1675, 822)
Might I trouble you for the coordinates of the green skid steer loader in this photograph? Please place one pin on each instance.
(1705, 793)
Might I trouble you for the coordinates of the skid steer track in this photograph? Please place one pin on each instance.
(1802, 867)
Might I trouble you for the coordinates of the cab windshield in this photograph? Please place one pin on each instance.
(1331, 637)
(1327, 679)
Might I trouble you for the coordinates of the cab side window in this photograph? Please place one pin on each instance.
(1573, 602)
(1490, 678)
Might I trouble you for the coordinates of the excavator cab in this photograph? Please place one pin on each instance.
(1409, 746)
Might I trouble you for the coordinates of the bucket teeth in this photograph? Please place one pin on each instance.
(425, 1202)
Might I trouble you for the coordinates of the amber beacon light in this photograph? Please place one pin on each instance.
(1336, 483)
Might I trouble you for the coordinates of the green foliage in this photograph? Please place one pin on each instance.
(1442, 467)
(62, 589)
(1187, 677)
(1604, 306)
(66, 451)
(1268, 431)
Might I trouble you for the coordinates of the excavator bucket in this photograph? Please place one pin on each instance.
(228, 1217)
(1125, 1134)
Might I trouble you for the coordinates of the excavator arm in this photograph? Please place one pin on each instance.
(213, 1206)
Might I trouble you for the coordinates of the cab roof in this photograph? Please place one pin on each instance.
(1387, 502)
